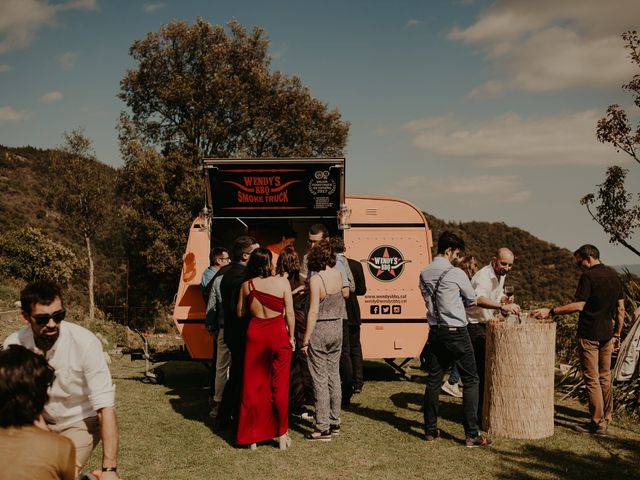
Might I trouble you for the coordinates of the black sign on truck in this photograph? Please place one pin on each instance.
(276, 187)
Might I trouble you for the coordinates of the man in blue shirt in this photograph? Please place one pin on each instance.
(447, 291)
(218, 258)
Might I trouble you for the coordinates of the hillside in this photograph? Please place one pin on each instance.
(542, 272)
(633, 269)
(24, 174)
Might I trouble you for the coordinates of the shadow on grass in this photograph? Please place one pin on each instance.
(188, 392)
(378, 371)
(412, 402)
(611, 458)
(568, 417)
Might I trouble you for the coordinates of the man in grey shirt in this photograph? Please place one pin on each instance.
(447, 291)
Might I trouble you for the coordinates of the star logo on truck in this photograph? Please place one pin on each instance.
(386, 263)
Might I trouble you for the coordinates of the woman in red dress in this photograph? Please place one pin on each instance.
(264, 408)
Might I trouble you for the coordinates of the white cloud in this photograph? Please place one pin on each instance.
(51, 97)
(567, 139)
(479, 188)
(5, 68)
(68, 60)
(549, 45)
(21, 19)
(8, 114)
(153, 7)
(412, 23)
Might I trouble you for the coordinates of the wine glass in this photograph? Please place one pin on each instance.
(509, 290)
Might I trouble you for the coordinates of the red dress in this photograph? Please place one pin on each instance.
(264, 408)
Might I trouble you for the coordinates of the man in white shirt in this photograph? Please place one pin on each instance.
(82, 397)
(488, 284)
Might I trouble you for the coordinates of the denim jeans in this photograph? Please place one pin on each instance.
(454, 376)
(444, 348)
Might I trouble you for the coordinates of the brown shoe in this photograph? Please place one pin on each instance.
(318, 436)
(478, 441)
(591, 429)
(433, 435)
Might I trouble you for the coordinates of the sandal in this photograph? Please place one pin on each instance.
(317, 435)
(334, 429)
(284, 441)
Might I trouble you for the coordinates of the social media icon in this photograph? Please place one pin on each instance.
(374, 309)
(396, 309)
(386, 309)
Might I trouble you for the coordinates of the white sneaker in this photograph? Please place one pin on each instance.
(452, 390)
(307, 416)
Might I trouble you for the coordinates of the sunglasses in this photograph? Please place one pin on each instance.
(43, 318)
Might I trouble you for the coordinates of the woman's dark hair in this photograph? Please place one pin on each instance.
(259, 264)
(337, 244)
(289, 263)
(42, 292)
(468, 264)
(321, 256)
(24, 379)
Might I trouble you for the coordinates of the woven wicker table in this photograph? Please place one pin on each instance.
(519, 379)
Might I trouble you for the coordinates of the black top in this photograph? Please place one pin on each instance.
(353, 308)
(235, 328)
(600, 287)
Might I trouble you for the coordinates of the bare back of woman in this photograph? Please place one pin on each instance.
(329, 282)
(275, 286)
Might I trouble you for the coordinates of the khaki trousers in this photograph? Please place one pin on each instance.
(595, 359)
(85, 435)
(223, 363)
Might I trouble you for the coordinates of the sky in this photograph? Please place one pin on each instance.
(472, 110)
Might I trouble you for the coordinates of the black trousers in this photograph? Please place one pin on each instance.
(355, 350)
(346, 368)
(232, 394)
(478, 335)
(445, 347)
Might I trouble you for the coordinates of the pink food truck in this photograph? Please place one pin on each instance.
(390, 237)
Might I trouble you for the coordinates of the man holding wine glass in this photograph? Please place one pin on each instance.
(493, 296)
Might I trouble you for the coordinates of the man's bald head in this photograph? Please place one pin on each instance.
(502, 261)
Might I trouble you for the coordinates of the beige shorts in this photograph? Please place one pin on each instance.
(85, 435)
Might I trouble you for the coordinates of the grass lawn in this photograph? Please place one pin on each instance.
(166, 434)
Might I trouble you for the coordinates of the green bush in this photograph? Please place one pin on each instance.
(28, 254)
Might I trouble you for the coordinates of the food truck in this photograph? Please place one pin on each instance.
(390, 237)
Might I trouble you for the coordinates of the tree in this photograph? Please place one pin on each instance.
(83, 192)
(161, 195)
(199, 91)
(612, 207)
(203, 92)
(28, 254)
